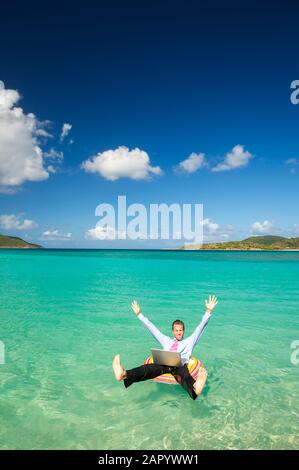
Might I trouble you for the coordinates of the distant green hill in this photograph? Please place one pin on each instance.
(265, 242)
(265, 239)
(15, 242)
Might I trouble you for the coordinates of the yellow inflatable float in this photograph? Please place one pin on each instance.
(193, 366)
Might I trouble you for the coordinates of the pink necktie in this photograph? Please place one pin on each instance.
(174, 346)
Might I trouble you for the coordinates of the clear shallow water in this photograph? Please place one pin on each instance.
(64, 314)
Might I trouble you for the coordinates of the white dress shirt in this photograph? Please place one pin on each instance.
(184, 346)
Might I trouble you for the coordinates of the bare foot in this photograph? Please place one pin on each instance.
(119, 371)
(200, 381)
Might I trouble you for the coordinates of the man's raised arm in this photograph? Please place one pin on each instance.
(210, 305)
(162, 339)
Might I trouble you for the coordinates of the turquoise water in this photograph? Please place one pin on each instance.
(64, 314)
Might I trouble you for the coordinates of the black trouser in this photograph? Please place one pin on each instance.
(150, 371)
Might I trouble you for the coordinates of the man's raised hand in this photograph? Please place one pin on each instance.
(136, 308)
(211, 303)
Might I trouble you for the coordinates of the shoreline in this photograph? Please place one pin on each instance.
(21, 248)
(142, 249)
(227, 249)
(236, 249)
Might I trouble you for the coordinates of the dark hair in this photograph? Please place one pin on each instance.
(178, 322)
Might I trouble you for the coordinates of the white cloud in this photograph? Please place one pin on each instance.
(213, 232)
(65, 130)
(54, 158)
(15, 222)
(55, 235)
(122, 163)
(238, 157)
(51, 169)
(43, 133)
(293, 162)
(192, 163)
(21, 157)
(294, 229)
(54, 154)
(7, 97)
(209, 226)
(261, 227)
(103, 233)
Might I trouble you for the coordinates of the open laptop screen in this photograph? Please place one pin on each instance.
(166, 358)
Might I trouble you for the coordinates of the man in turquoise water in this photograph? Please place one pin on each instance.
(177, 343)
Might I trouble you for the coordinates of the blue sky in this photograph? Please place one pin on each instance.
(168, 78)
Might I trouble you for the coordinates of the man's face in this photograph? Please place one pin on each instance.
(178, 332)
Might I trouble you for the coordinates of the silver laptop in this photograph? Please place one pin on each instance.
(166, 358)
